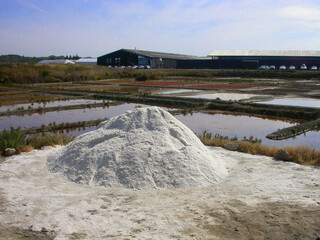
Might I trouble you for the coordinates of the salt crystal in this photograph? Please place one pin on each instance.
(145, 148)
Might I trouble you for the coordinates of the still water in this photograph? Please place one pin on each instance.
(49, 104)
(223, 124)
(223, 96)
(246, 126)
(36, 119)
(302, 102)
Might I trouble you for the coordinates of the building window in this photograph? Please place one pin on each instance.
(143, 60)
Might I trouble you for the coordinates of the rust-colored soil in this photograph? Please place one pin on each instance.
(225, 86)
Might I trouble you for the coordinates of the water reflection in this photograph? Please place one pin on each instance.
(223, 124)
(246, 126)
(173, 91)
(76, 115)
(49, 104)
(230, 125)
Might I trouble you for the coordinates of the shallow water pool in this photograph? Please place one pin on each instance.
(302, 102)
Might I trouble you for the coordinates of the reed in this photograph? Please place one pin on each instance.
(15, 138)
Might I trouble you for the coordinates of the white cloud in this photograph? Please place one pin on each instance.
(301, 13)
(180, 26)
(28, 4)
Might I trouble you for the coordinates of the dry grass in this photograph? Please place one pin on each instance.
(15, 138)
(27, 148)
(218, 142)
(257, 149)
(304, 155)
(301, 154)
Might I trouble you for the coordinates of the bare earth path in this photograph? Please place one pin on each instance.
(260, 199)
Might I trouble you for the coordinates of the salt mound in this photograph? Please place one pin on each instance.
(143, 149)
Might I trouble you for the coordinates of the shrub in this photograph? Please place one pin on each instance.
(97, 77)
(108, 75)
(14, 138)
(53, 80)
(142, 77)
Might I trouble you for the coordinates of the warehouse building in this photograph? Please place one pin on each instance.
(130, 57)
(254, 58)
(218, 59)
(58, 61)
(87, 61)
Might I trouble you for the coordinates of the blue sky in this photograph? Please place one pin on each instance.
(196, 27)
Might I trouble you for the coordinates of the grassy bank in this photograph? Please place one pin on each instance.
(16, 138)
(300, 154)
(34, 73)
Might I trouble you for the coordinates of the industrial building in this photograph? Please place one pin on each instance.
(131, 57)
(254, 59)
(58, 61)
(87, 61)
(218, 59)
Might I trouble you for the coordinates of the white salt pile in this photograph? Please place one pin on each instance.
(144, 148)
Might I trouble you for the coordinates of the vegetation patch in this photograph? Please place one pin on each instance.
(14, 138)
(17, 139)
(34, 73)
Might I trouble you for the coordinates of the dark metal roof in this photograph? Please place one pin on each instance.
(264, 53)
(163, 55)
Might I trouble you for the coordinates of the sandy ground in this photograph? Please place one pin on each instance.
(260, 199)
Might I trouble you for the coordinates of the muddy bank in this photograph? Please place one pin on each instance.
(21, 234)
(238, 220)
(294, 130)
(58, 108)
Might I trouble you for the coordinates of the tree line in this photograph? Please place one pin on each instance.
(14, 58)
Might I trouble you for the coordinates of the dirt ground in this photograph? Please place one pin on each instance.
(260, 199)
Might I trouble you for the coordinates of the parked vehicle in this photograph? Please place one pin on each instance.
(282, 67)
(272, 67)
(292, 67)
(314, 68)
(263, 67)
(303, 67)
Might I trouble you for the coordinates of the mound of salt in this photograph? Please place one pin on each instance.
(144, 148)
